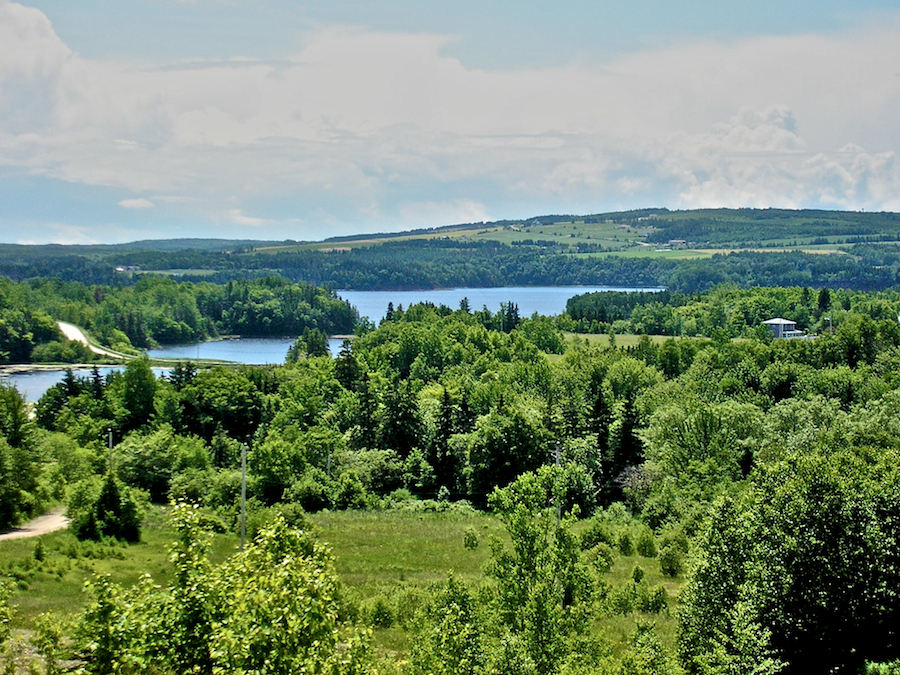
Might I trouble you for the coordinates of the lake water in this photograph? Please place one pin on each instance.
(33, 385)
(546, 300)
(254, 351)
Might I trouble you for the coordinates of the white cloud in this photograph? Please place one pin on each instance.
(139, 203)
(61, 233)
(237, 217)
(368, 128)
(432, 214)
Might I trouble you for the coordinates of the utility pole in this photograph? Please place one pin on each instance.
(243, 493)
(558, 505)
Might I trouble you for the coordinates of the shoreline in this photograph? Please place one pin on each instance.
(25, 368)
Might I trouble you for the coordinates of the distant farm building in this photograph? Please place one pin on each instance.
(782, 328)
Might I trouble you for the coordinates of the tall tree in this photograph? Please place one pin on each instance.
(800, 569)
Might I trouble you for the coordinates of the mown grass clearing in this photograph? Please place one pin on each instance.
(625, 340)
(374, 548)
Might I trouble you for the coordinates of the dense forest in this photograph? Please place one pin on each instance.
(758, 476)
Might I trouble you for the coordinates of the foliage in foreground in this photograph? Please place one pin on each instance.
(270, 609)
(801, 571)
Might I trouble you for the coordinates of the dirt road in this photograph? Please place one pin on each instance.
(73, 332)
(49, 522)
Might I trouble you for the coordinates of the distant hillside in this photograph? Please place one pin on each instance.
(199, 244)
(687, 250)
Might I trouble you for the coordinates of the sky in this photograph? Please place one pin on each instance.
(277, 119)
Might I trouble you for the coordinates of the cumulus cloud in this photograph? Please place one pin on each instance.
(367, 128)
(139, 203)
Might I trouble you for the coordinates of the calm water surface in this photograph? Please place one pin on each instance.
(254, 351)
(547, 300)
(33, 385)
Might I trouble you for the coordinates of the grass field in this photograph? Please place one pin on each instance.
(624, 238)
(627, 340)
(394, 557)
(56, 584)
(377, 548)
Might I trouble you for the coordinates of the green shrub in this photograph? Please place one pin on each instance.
(637, 596)
(596, 533)
(350, 493)
(638, 574)
(646, 543)
(111, 513)
(626, 544)
(671, 561)
(623, 599)
(5, 612)
(379, 612)
(312, 491)
(601, 557)
(470, 538)
(655, 600)
(293, 514)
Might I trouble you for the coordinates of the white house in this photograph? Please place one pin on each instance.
(782, 328)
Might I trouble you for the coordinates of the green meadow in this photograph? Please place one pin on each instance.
(389, 563)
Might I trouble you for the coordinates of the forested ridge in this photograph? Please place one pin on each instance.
(713, 502)
(748, 247)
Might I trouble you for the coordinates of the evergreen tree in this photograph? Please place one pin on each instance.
(111, 514)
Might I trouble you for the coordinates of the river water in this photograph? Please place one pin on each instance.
(546, 300)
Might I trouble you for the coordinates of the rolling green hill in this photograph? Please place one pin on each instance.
(685, 250)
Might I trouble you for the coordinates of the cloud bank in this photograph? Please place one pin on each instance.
(381, 131)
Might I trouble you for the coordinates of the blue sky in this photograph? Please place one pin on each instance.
(273, 120)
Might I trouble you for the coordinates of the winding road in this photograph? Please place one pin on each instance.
(49, 522)
(73, 332)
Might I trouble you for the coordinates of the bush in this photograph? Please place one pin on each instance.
(602, 557)
(655, 600)
(192, 486)
(646, 543)
(671, 561)
(379, 612)
(638, 574)
(350, 493)
(312, 491)
(470, 538)
(626, 544)
(293, 514)
(637, 596)
(597, 532)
